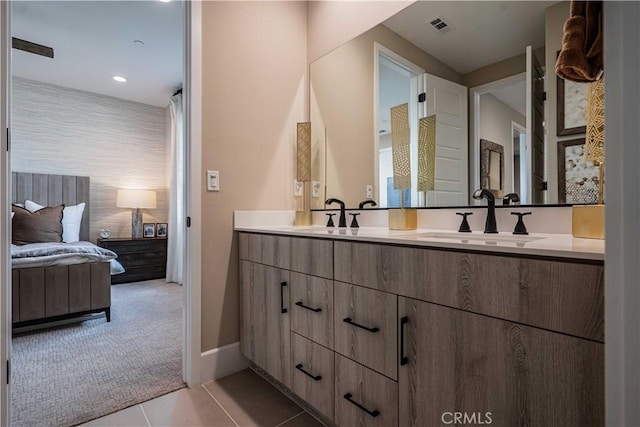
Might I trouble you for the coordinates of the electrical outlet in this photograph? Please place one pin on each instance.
(315, 189)
(213, 180)
(369, 191)
(297, 188)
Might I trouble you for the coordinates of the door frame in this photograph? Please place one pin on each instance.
(523, 147)
(5, 217)
(192, 328)
(474, 112)
(415, 71)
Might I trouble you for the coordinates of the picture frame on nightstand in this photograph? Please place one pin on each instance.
(149, 230)
(161, 229)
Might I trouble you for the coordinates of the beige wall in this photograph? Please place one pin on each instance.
(500, 70)
(342, 103)
(495, 126)
(554, 18)
(254, 91)
(117, 143)
(332, 23)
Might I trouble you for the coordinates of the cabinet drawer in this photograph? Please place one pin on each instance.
(312, 308)
(312, 256)
(364, 397)
(135, 246)
(566, 297)
(365, 324)
(312, 374)
(265, 249)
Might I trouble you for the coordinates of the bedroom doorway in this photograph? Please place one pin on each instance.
(189, 317)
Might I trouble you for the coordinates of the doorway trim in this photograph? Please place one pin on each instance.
(414, 71)
(191, 354)
(474, 112)
(192, 333)
(523, 188)
(5, 217)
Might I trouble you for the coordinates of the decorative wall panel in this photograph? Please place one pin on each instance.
(400, 134)
(118, 143)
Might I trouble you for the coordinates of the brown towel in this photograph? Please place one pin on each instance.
(580, 59)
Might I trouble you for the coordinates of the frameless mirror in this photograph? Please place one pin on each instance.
(478, 67)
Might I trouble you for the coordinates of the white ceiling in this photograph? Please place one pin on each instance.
(483, 32)
(93, 40)
(515, 96)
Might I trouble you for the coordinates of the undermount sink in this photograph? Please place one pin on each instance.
(488, 238)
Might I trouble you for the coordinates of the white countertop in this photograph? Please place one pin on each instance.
(548, 245)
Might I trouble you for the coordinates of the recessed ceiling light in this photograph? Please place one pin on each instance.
(138, 43)
(120, 79)
(165, 1)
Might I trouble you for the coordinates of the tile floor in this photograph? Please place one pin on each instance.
(242, 399)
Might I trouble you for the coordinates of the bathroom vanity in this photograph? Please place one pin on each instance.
(384, 329)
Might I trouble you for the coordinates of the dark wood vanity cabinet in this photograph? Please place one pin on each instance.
(385, 335)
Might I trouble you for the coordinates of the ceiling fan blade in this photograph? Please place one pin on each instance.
(31, 47)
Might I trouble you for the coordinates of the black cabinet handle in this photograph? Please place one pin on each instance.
(315, 310)
(313, 377)
(373, 413)
(351, 322)
(282, 307)
(403, 359)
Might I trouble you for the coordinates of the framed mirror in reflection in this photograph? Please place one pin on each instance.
(481, 78)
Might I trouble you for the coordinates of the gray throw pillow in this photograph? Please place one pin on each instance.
(44, 225)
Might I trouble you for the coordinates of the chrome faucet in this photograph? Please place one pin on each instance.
(490, 225)
(342, 222)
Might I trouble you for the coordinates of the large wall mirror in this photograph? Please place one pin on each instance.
(476, 67)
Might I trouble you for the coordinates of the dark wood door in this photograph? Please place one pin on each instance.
(535, 127)
(494, 370)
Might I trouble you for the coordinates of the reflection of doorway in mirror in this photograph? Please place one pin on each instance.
(499, 115)
(396, 85)
(519, 169)
(451, 140)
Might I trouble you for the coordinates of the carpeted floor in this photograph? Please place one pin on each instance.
(74, 373)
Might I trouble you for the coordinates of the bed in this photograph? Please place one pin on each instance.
(51, 286)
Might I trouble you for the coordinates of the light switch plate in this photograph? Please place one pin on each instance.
(297, 188)
(213, 180)
(315, 189)
(369, 191)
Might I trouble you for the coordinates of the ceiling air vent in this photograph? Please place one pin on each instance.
(440, 24)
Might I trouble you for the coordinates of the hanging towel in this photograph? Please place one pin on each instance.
(580, 59)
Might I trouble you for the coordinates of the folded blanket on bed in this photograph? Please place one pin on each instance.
(47, 254)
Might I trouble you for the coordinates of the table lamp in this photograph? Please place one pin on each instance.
(136, 200)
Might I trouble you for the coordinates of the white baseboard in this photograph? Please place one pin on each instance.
(222, 361)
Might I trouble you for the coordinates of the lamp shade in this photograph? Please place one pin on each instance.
(136, 199)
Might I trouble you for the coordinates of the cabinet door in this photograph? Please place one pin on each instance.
(484, 367)
(265, 332)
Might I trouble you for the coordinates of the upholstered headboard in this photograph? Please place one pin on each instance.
(53, 190)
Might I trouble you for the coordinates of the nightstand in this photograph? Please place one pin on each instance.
(142, 259)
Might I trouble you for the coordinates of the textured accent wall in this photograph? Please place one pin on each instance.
(118, 143)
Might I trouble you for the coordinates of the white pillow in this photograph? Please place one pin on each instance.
(71, 219)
